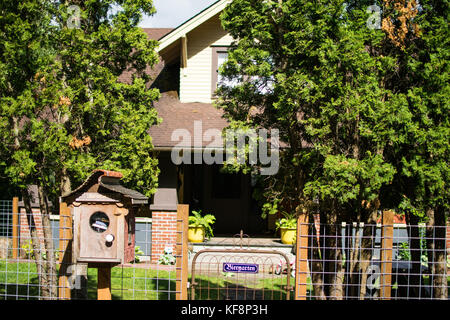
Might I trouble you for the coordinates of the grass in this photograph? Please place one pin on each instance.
(136, 284)
(20, 281)
(227, 287)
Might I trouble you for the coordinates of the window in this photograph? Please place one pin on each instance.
(220, 56)
(221, 59)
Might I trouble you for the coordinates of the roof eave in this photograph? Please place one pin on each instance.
(192, 23)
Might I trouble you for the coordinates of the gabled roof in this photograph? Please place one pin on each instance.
(192, 23)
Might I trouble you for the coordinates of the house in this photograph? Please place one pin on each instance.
(187, 78)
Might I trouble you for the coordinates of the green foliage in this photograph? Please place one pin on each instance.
(137, 254)
(403, 252)
(27, 247)
(289, 220)
(286, 223)
(206, 221)
(421, 154)
(167, 258)
(364, 117)
(64, 110)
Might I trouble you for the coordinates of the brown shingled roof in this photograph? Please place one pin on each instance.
(154, 34)
(178, 115)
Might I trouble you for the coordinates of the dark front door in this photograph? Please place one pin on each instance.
(227, 196)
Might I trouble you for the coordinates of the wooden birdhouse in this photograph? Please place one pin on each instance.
(103, 219)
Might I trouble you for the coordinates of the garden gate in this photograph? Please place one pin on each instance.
(240, 274)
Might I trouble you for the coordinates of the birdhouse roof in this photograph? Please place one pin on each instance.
(107, 181)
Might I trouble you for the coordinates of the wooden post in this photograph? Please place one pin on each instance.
(301, 263)
(387, 240)
(182, 251)
(15, 228)
(65, 250)
(104, 283)
(183, 52)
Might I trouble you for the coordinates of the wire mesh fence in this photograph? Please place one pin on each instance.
(31, 262)
(376, 261)
(342, 261)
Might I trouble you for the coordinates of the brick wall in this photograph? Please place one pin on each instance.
(164, 232)
(25, 235)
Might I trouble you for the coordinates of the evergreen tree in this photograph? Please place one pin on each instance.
(64, 111)
(359, 100)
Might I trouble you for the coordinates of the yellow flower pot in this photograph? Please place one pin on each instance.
(196, 234)
(288, 235)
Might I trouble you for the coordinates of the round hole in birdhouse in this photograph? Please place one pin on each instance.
(99, 221)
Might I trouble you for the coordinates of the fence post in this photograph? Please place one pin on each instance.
(387, 240)
(15, 228)
(182, 251)
(65, 249)
(104, 283)
(301, 263)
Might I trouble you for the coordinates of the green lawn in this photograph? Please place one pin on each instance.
(20, 281)
(228, 287)
(136, 284)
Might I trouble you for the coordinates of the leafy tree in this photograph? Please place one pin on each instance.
(344, 97)
(24, 49)
(417, 40)
(320, 89)
(64, 111)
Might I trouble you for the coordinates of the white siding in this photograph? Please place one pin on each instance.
(195, 80)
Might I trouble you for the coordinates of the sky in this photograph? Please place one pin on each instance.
(172, 13)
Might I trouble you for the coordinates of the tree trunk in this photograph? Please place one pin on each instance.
(430, 244)
(415, 276)
(50, 287)
(315, 256)
(65, 182)
(333, 264)
(35, 243)
(353, 263)
(367, 240)
(439, 267)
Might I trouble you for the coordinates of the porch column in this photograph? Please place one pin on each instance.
(164, 222)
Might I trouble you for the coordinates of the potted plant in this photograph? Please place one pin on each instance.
(200, 226)
(288, 228)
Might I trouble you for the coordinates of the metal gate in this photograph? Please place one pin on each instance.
(240, 274)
